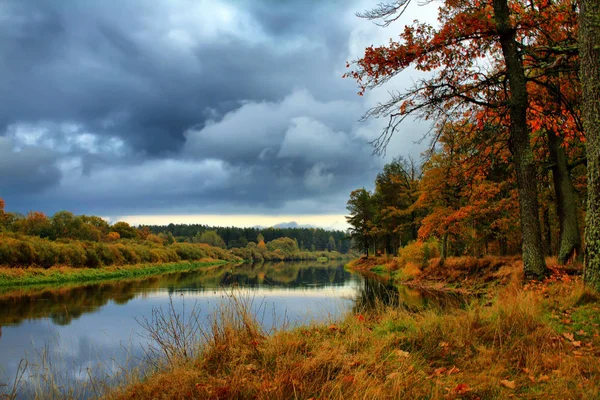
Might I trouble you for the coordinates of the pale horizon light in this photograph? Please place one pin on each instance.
(326, 221)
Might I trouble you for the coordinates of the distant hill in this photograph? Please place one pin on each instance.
(292, 224)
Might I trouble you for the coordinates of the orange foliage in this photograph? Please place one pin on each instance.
(112, 236)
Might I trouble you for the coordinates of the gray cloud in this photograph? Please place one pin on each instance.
(180, 106)
(27, 170)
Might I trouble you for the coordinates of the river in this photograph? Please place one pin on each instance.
(69, 335)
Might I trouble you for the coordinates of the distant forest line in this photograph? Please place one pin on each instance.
(309, 239)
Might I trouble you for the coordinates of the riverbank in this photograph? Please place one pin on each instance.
(462, 274)
(525, 341)
(20, 277)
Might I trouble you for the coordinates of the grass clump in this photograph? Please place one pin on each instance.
(498, 346)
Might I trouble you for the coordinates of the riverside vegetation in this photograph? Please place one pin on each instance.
(539, 340)
(36, 249)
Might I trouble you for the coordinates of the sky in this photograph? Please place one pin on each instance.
(201, 111)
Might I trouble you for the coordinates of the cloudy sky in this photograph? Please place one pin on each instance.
(222, 112)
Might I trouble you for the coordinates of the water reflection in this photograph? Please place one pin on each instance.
(93, 327)
(375, 291)
(62, 305)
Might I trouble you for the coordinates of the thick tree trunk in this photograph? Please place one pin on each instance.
(589, 55)
(566, 206)
(533, 251)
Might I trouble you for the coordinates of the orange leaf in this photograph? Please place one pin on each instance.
(462, 388)
(508, 384)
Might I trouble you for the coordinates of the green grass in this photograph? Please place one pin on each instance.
(35, 276)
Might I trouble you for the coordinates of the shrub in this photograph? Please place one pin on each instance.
(418, 253)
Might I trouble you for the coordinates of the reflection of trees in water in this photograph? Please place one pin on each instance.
(375, 292)
(62, 305)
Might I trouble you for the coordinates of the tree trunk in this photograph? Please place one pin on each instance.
(533, 251)
(503, 246)
(566, 207)
(547, 235)
(589, 55)
(444, 247)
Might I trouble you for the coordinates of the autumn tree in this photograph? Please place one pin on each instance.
(211, 238)
(96, 222)
(3, 215)
(361, 219)
(457, 55)
(589, 48)
(64, 225)
(35, 224)
(112, 236)
(124, 230)
(260, 240)
(394, 198)
(286, 245)
(554, 102)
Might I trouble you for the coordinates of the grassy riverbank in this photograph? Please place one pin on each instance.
(10, 277)
(537, 340)
(463, 274)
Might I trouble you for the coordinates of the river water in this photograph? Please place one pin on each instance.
(65, 336)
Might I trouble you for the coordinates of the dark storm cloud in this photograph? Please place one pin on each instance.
(88, 61)
(26, 171)
(171, 106)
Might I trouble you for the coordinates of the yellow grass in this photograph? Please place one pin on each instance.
(511, 343)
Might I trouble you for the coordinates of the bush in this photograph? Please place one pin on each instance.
(418, 253)
(17, 250)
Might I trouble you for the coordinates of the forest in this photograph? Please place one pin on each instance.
(512, 93)
(311, 239)
(65, 239)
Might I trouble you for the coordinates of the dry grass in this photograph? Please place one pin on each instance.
(507, 344)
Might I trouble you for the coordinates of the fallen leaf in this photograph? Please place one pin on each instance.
(462, 388)
(392, 375)
(576, 343)
(569, 336)
(443, 344)
(453, 370)
(440, 371)
(543, 378)
(508, 384)
(402, 353)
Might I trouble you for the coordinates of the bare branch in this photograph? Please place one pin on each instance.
(386, 12)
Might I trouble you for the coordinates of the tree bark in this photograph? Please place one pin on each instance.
(566, 207)
(547, 231)
(589, 55)
(444, 247)
(520, 147)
